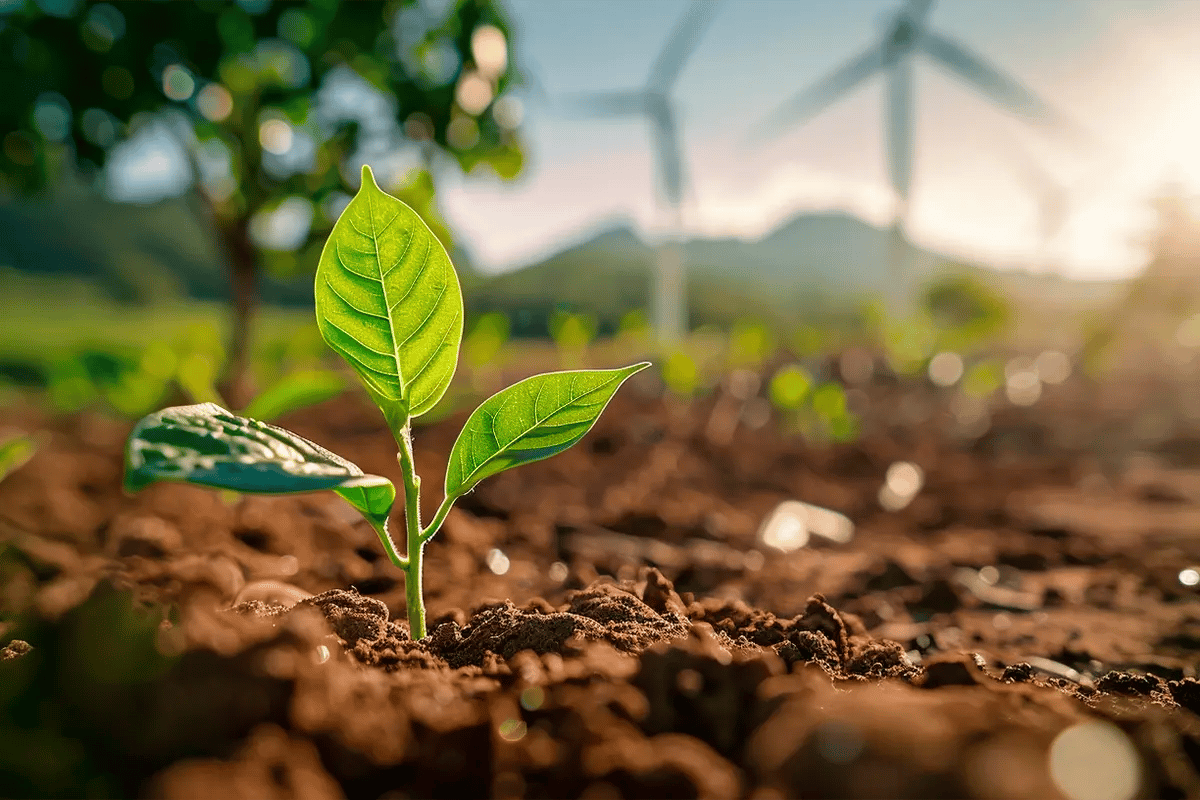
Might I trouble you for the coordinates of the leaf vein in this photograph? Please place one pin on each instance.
(358, 342)
(356, 309)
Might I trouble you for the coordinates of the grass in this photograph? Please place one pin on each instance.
(61, 315)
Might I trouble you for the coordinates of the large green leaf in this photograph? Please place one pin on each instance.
(388, 301)
(207, 445)
(531, 420)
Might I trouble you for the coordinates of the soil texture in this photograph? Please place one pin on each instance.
(1023, 623)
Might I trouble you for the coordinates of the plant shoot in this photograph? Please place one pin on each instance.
(388, 301)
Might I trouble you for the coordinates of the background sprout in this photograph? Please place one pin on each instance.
(572, 333)
(14, 452)
(790, 387)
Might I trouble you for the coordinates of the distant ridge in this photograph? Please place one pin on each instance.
(810, 263)
(810, 259)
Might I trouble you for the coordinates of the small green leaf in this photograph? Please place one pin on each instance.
(531, 420)
(14, 453)
(297, 390)
(209, 446)
(389, 302)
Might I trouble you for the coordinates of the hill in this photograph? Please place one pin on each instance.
(813, 264)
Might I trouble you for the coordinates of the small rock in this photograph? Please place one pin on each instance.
(15, 649)
(660, 593)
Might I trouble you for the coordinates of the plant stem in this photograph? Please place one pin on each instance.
(436, 523)
(389, 545)
(413, 591)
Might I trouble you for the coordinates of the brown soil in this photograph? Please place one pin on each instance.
(1023, 617)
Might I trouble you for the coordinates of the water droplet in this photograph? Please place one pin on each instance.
(788, 527)
(1189, 576)
(1095, 761)
(512, 730)
(497, 562)
(558, 572)
(322, 654)
(904, 479)
(945, 369)
(533, 698)
(1022, 384)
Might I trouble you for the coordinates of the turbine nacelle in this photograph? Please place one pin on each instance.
(906, 33)
(903, 31)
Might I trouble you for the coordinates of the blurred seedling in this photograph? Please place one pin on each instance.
(15, 451)
(484, 348)
(964, 312)
(817, 410)
(790, 387)
(572, 333)
(751, 344)
(634, 330)
(681, 374)
(197, 369)
(388, 301)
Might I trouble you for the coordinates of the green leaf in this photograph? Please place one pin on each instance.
(297, 390)
(389, 302)
(531, 420)
(14, 453)
(209, 446)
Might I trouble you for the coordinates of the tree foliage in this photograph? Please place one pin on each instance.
(77, 77)
(275, 105)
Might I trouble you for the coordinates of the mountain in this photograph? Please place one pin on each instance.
(811, 260)
(813, 264)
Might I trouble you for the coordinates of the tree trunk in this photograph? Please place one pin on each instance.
(243, 273)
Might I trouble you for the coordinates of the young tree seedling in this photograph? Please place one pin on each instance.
(388, 301)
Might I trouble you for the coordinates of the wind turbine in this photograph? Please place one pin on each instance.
(654, 102)
(906, 35)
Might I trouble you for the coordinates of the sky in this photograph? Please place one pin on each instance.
(1125, 71)
(1128, 72)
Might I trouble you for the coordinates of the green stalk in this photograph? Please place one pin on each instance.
(413, 590)
(389, 545)
(438, 518)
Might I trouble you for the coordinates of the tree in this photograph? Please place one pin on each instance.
(275, 102)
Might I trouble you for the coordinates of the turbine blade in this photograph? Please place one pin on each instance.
(682, 43)
(918, 10)
(670, 154)
(607, 104)
(987, 78)
(823, 92)
(900, 128)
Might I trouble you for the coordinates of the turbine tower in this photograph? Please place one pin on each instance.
(654, 102)
(906, 35)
